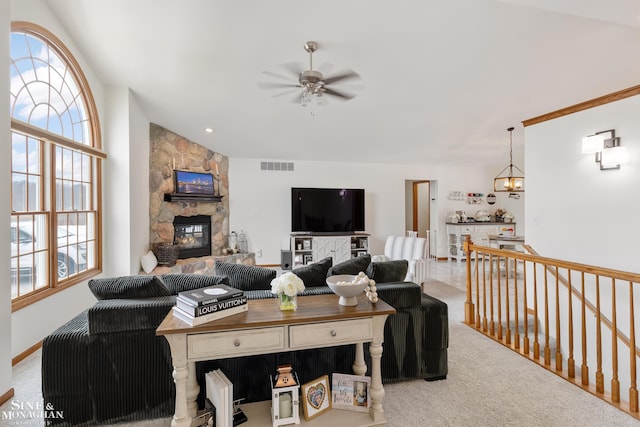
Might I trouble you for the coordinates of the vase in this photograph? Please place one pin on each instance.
(287, 303)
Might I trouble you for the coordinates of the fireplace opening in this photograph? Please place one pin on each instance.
(192, 235)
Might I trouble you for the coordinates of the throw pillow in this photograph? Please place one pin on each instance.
(180, 282)
(314, 274)
(246, 277)
(352, 266)
(127, 287)
(148, 262)
(388, 271)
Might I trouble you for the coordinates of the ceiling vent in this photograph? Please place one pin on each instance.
(276, 166)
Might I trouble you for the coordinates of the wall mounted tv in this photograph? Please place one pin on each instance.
(194, 183)
(327, 210)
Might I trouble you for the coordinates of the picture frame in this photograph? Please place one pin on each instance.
(361, 253)
(316, 397)
(306, 245)
(308, 259)
(350, 392)
(198, 183)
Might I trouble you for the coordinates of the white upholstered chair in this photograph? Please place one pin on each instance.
(413, 249)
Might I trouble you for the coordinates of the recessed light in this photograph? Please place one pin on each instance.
(208, 130)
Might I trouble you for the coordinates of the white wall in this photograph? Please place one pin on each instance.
(126, 184)
(575, 211)
(139, 149)
(260, 200)
(5, 191)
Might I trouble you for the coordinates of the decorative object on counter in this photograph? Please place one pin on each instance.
(491, 198)
(482, 216)
(370, 291)
(243, 244)
(350, 392)
(348, 287)
(285, 390)
(166, 253)
(233, 240)
(454, 217)
(509, 183)
(499, 214)
(507, 217)
(316, 397)
(228, 251)
(287, 287)
(463, 216)
(609, 154)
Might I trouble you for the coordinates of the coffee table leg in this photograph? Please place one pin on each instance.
(375, 349)
(178, 344)
(359, 366)
(193, 389)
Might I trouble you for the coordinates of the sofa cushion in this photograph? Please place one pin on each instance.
(388, 271)
(351, 266)
(314, 274)
(149, 262)
(127, 287)
(246, 277)
(180, 282)
(126, 315)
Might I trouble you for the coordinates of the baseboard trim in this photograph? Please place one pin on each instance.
(8, 395)
(28, 352)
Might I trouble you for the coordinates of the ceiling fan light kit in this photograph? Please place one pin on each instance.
(313, 83)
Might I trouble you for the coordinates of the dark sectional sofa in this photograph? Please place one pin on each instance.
(107, 364)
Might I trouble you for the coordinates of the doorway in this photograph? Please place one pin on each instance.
(418, 209)
(421, 209)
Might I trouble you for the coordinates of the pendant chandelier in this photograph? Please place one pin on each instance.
(510, 182)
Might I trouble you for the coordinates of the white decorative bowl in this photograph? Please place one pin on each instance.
(347, 293)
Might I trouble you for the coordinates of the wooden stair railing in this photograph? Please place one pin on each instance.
(508, 284)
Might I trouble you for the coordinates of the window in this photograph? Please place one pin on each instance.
(55, 168)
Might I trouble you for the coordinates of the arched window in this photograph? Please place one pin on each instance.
(55, 168)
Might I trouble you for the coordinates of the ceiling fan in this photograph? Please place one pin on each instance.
(315, 86)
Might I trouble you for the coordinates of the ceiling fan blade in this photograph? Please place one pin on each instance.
(294, 68)
(264, 85)
(332, 92)
(344, 76)
(287, 92)
(279, 76)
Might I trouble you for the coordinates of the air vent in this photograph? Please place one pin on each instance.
(276, 166)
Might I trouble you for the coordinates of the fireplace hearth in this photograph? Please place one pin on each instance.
(192, 235)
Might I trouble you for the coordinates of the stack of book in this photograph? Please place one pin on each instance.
(204, 305)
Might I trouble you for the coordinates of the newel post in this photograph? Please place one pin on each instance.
(468, 304)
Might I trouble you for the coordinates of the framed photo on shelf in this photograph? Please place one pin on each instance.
(306, 245)
(350, 392)
(316, 397)
(361, 253)
(308, 259)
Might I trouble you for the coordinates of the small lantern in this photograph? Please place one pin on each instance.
(285, 402)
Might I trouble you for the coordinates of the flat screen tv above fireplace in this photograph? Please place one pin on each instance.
(327, 210)
(194, 183)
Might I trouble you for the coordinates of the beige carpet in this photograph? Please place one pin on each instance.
(487, 385)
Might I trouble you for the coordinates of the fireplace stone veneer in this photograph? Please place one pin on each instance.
(168, 152)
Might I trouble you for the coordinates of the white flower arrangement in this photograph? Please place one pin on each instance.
(288, 284)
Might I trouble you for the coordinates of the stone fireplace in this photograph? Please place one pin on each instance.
(169, 152)
(192, 235)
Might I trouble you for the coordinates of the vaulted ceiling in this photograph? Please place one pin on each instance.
(442, 80)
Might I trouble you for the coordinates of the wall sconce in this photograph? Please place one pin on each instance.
(606, 146)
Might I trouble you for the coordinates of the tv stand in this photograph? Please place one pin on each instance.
(308, 248)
